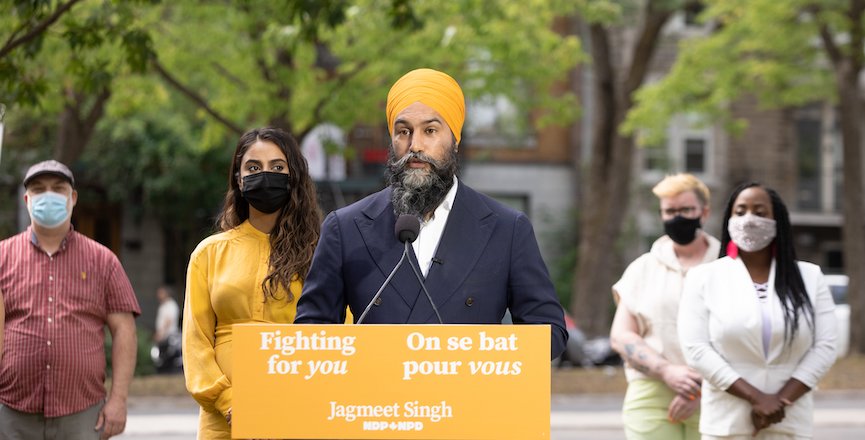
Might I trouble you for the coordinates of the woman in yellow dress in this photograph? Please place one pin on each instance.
(252, 270)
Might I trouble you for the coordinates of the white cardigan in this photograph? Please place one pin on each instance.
(720, 329)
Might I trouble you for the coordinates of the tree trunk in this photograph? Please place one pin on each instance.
(284, 91)
(603, 206)
(848, 63)
(77, 124)
(853, 232)
(606, 194)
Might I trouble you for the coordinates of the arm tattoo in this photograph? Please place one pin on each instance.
(637, 357)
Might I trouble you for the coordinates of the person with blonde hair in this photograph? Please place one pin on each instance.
(478, 257)
(663, 396)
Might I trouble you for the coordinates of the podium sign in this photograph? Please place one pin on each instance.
(391, 381)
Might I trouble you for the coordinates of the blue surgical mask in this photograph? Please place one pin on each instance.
(49, 209)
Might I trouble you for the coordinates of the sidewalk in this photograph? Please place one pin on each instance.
(839, 415)
(161, 418)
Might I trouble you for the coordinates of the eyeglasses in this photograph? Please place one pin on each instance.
(685, 211)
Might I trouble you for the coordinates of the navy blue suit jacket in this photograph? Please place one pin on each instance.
(489, 262)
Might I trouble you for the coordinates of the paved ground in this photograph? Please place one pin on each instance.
(839, 416)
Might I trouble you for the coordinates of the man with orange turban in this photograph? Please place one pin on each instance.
(477, 257)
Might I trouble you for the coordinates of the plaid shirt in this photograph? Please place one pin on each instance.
(56, 309)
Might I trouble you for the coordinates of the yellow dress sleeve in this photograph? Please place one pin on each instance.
(206, 382)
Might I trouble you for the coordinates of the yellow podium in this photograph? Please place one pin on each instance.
(391, 381)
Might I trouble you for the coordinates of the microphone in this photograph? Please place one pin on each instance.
(406, 230)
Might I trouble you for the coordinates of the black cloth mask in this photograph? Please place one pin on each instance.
(265, 191)
(682, 230)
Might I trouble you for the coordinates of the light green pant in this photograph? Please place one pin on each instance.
(763, 435)
(645, 410)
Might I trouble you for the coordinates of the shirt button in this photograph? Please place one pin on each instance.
(470, 301)
(50, 277)
(49, 342)
(50, 299)
(48, 367)
(50, 320)
(378, 301)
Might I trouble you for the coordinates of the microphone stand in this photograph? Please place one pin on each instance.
(422, 284)
(386, 281)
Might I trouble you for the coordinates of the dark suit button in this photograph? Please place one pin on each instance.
(377, 301)
(470, 301)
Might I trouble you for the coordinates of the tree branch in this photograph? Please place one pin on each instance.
(98, 109)
(194, 97)
(645, 48)
(284, 90)
(228, 75)
(605, 98)
(13, 42)
(341, 80)
(829, 43)
(857, 33)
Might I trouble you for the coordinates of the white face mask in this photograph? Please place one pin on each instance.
(750, 232)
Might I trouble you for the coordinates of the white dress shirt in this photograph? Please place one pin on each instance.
(431, 230)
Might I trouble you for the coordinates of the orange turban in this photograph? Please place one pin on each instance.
(432, 88)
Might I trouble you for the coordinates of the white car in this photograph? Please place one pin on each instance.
(838, 286)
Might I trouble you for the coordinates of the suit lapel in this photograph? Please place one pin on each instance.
(749, 309)
(376, 230)
(469, 227)
(776, 315)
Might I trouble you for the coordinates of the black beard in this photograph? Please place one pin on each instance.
(418, 191)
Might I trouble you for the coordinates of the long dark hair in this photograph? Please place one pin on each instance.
(789, 285)
(293, 239)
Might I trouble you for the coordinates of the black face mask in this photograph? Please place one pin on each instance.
(265, 191)
(682, 230)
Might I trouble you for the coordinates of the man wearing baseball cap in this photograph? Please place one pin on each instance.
(60, 289)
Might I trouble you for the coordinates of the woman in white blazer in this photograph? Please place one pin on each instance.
(757, 324)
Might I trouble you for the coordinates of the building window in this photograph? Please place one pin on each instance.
(695, 155)
(819, 155)
(808, 146)
(689, 147)
(656, 158)
(835, 260)
(494, 121)
(520, 202)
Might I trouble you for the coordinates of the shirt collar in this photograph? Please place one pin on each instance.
(35, 240)
(247, 228)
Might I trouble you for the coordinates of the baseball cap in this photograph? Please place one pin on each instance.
(49, 167)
